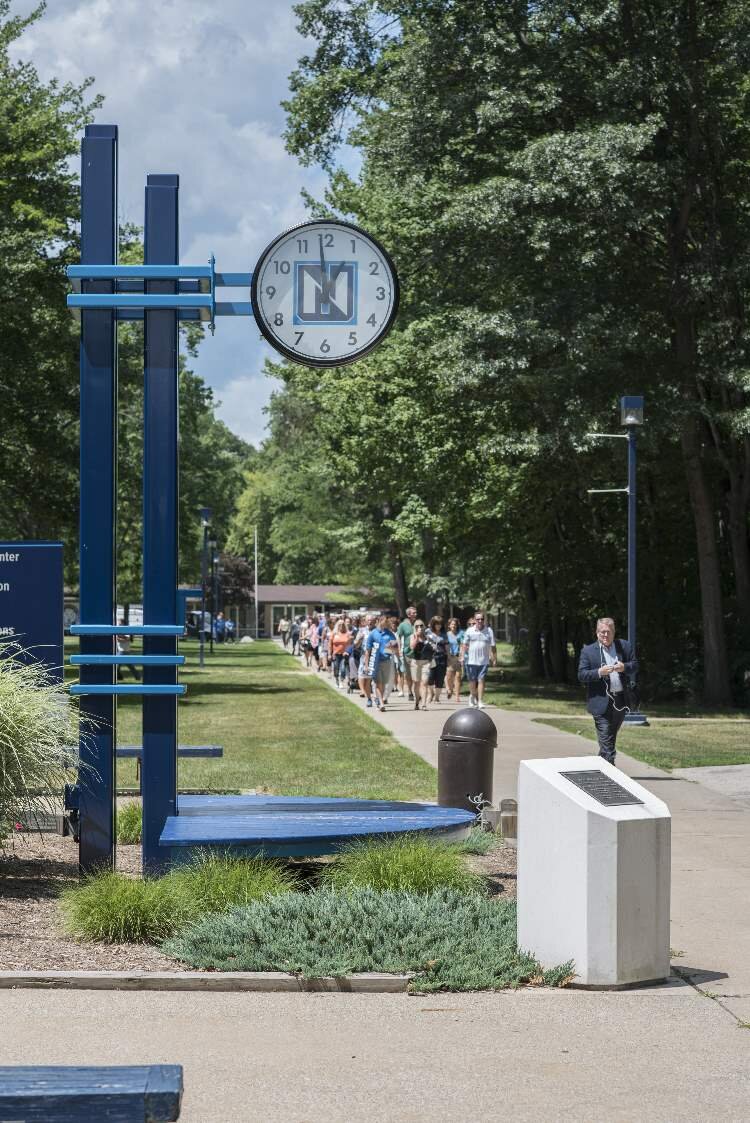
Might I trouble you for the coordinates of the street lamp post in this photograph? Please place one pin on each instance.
(205, 517)
(212, 548)
(631, 416)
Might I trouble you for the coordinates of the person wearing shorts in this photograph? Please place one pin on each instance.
(454, 669)
(365, 660)
(384, 646)
(404, 633)
(420, 657)
(479, 647)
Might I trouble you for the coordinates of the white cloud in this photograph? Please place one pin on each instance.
(195, 89)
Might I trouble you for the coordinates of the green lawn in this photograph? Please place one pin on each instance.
(282, 731)
(511, 686)
(678, 744)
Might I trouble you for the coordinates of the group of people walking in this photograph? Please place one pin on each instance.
(382, 657)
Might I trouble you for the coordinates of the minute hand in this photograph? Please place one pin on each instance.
(324, 286)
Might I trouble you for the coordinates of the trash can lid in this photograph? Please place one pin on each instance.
(469, 724)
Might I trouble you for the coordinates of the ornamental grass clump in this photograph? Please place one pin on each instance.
(408, 863)
(38, 740)
(129, 823)
(112, 908)
(115, 909)
(448, 940)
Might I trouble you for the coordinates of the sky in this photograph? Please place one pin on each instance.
(195, 87)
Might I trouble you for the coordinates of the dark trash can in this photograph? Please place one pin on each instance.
(466, 755)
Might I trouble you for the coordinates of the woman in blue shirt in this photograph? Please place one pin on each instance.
(453, 674)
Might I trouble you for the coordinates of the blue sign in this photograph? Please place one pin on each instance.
(31, 600)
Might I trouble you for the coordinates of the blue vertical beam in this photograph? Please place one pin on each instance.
(160, 509)
(98, 484)
(632, 437)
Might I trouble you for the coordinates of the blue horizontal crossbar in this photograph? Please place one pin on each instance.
(234, 280)
(139, 300)
(127, 630)
(116, 660)
(234, 308)
(138, 272)
(130, 688)
(182, 750)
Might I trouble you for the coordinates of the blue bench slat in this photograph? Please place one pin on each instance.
(307, 826)
(126, 660)
(182, 750)
(129, 688)
(284, 804)
(77, 1094)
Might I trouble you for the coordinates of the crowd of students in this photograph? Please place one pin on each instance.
(380, 657)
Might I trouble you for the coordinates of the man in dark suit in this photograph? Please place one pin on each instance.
(603, 669)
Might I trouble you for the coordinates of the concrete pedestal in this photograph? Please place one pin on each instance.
(593, 878)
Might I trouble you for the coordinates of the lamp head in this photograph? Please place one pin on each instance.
(205, 515)
(631, 410)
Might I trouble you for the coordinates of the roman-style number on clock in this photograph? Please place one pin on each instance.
(324, 293)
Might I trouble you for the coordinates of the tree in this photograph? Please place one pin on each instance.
(39, 130)
(565, 195)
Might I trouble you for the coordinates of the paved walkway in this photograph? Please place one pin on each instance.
(710, 839)
(665, 1054)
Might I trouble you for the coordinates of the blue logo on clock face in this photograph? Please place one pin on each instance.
(327, 296)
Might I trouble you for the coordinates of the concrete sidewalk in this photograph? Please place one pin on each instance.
(672, 1054)
(710, 909)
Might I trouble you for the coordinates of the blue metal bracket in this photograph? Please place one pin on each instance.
(130, 688)
(126, 660)
(194, 300)
(127, 630)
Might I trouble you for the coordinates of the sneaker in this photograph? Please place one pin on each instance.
(369, 703)
(472, 700)
(481, 706)
(377, 703)
(383, 708)
(411, 696)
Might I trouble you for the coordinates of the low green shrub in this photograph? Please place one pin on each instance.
(407, 863)
(479, 842)
(129, 823)
(113, 908)
(116, 909)
(215, 882)
(449, 940)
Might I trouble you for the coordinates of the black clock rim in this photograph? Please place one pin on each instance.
(288, 352)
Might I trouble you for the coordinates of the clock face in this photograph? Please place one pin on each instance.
(324, 293)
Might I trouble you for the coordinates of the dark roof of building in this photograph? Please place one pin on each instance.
(297, 594)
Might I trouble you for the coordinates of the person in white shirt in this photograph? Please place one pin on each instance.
(479, 643)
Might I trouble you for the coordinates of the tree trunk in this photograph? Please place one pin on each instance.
(716, 684)
(739, 495)
(536, 658)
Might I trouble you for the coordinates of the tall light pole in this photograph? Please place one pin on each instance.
(205, 516)
(631, 416)
(256, 580)
(212, 548)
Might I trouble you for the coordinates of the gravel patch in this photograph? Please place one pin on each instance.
(36, 867)
(33, 871)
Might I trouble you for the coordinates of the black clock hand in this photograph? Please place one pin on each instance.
(324, 293)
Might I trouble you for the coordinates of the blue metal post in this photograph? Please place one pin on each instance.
(632, 438)
(160, 516)
(98, 503)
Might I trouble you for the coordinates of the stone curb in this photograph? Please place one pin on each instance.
(258, 981)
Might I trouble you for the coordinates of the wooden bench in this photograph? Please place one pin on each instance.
(118, 1093)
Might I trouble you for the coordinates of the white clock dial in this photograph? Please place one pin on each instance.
(324, 293)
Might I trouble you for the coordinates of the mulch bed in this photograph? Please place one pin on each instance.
(37, 866)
